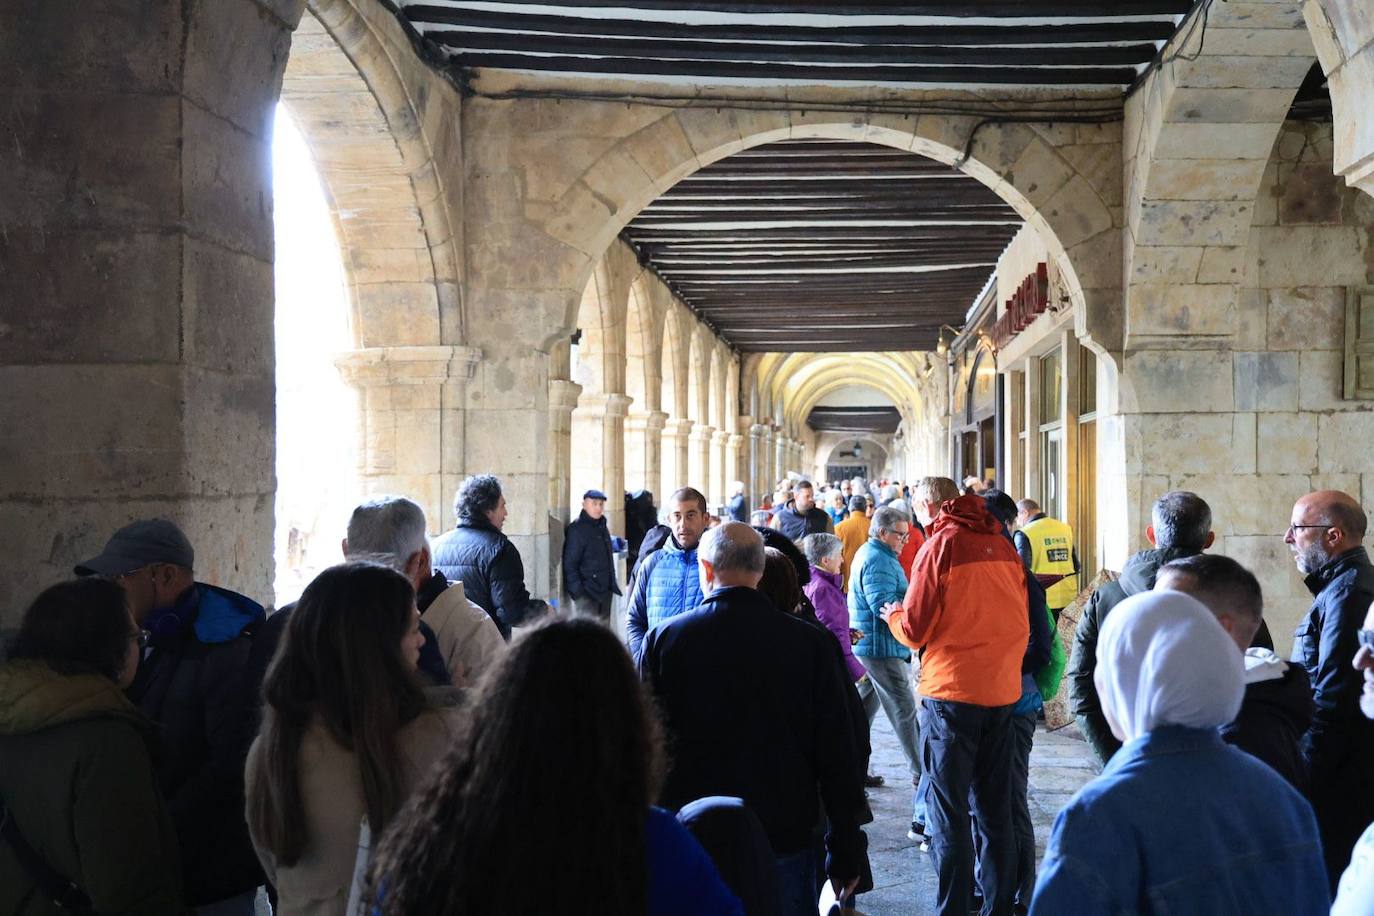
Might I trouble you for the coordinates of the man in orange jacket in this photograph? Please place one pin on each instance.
(965, 611)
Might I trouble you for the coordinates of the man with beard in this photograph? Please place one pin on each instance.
(1324, 534)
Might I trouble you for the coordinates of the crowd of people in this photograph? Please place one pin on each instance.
(417, 734)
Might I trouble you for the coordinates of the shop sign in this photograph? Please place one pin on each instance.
(1031, 299)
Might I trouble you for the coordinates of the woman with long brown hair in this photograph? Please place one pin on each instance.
(347, 733)
(544, 804)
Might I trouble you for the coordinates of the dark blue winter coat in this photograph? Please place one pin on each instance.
(588, 565)
(477, 554)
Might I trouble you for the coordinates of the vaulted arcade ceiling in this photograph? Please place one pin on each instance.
(824, 245)
(816, 245)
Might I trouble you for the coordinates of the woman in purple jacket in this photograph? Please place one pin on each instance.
(824, 553)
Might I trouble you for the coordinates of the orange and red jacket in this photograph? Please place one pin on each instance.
(965, 609)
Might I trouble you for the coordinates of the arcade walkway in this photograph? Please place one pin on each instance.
(904, 877)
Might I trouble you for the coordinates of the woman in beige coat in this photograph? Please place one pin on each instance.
(347, 733)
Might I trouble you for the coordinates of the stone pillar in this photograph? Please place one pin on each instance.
(546, 554)
(675, 449)
(411, 421)
(643, 452)
(780, 456)
(598, 454)
(734, 451)
(721, 469)
(136, 357)
(757, 485)
(699, 458)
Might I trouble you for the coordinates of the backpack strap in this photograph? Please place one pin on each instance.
(61, 891)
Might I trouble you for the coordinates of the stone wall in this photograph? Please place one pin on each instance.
(1253, 439)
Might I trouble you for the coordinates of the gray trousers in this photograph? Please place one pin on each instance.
(889, 685)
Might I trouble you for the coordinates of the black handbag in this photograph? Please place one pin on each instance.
(60, 890)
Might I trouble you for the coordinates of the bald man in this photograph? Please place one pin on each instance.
(754, 705)
(1325, 534)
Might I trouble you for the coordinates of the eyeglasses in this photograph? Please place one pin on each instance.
(1367, 639)
(903, 535)
(120, 577)
(1292, 528)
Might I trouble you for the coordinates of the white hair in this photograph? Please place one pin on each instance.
(732, 546)
(387, 530)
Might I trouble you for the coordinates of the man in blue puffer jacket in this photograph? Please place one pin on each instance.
(669, 582)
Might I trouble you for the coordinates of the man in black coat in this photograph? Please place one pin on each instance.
(477, 554)
(196, 682)
(1325, 533)
(1181, 525)
(754, 706)
(588, 561)
(1277, 709)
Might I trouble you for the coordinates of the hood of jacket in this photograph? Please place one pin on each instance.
(1271, 681)
(967, 512)
(672, 546)
(1138, 575)
(34, 697)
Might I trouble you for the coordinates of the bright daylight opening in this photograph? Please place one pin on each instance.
(317, 479)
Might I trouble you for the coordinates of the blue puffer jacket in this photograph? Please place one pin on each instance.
(666, 585)
(875, 578)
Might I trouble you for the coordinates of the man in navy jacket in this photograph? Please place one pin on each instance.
(754, 706)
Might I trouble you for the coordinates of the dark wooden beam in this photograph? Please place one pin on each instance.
(1084, 33)
(654, 49)
(957, 76)
(959, 9)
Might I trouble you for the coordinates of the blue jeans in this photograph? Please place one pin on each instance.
(797, 884)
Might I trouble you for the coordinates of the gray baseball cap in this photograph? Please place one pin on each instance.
(136, 545)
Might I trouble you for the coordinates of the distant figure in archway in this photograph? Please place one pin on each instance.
(801, 516)
(589, 559)
(738, 506)
(486, 561)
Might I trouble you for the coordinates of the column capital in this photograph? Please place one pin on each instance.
(650, 421)
(720, 437)
(701, 432)
(735, 440)
(563, 394)
(408, 365)
(610, 405)
(677, 427)
(758, 430)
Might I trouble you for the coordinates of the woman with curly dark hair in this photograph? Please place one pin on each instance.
(347, 733)
(544, 805)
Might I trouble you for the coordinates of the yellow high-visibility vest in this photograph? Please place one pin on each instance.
(1052, 555)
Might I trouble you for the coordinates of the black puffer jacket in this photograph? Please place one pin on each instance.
(1340, 740)
(493, 575)
(640, 517)
(198, 683)
(1274, 716)
(1137, 576)
(588, 566)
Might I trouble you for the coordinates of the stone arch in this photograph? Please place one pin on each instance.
(387, 187)
(1343, 35)
(826, 446)
(1064, 180)
(643, 347)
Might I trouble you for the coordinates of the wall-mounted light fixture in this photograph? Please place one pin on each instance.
(942, 348)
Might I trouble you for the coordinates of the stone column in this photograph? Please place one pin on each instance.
(780, 456)
(562, 402)
(734, 452)
(411, 422)
(756, 452)
(699, 458)
(598, 453)
(643, 452)
(675, 450)
(136, 357)
(721, 472)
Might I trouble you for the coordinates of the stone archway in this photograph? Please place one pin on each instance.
(1343, 34)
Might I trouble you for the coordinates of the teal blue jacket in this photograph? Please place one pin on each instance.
(875, 578)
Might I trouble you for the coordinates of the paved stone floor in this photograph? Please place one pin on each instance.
(903, 876)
